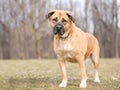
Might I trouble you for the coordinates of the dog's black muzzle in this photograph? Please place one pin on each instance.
(58, 29)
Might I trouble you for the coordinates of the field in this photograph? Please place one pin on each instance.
(46, 75)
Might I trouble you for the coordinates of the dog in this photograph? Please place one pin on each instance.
(73, 45)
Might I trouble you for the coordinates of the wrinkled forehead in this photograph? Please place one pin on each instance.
(60, 15)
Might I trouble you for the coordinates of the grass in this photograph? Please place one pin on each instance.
(46, 75)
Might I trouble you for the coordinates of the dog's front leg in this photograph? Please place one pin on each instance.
(83, 83)
(64, 75)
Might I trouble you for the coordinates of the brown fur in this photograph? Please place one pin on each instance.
(77, 47)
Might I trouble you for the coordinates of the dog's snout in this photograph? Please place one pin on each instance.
(59, 27)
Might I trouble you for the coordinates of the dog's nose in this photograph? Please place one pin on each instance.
(59, 27)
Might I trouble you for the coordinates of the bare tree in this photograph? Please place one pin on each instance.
(105, 26)
(25, 33)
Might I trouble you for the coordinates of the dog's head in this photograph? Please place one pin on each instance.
(61, 21)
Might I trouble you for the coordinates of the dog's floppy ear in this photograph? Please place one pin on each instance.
(70, 17)
(50, 14)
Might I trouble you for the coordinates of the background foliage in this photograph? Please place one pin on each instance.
(25, 33)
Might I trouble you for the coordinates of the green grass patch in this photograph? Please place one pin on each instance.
(46, 75)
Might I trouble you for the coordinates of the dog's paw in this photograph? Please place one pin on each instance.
(97, 80)
(83, 84)
(63, 84)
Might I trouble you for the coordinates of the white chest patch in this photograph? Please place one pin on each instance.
(65, 48)
(68, 46)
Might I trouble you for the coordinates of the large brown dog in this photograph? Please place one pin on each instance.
(72, 44)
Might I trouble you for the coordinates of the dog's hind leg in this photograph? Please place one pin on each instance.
(95, 60)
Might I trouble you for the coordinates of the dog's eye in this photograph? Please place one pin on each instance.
(55, 19)
(64, 21)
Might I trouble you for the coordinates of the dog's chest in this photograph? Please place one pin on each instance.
(65, 48)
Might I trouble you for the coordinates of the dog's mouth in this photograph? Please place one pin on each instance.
(58, 29)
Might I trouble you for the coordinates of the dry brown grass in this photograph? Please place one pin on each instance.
(46, 75)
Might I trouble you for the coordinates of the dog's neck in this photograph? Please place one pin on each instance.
(66, 35)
